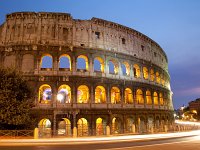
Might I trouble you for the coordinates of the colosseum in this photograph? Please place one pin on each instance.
(90, 77)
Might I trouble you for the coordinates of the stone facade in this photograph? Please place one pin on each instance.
(136, 95)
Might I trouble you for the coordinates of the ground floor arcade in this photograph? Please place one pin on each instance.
(102, 122)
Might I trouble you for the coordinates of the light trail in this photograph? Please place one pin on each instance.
(187, 122)
(87, 140)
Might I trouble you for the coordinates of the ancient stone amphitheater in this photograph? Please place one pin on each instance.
(90, 77)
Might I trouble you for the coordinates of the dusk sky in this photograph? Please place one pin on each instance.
(173, 24)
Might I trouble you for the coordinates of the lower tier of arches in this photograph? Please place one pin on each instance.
(102, 122)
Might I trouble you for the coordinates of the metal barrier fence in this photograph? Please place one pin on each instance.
(84, 131)
(16, 134)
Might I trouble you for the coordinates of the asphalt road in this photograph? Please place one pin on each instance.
(182, 143)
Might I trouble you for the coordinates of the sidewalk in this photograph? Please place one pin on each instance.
(86, 140)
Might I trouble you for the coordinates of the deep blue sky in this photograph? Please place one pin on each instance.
(173, 24)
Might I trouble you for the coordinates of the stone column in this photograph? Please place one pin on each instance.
(108, 101)
(74, 94)
(55, 63)
(122, 96)
(54, 123)
(73, 65)
(75, 130)
(92, 95)
(91, 64)
(145, 98)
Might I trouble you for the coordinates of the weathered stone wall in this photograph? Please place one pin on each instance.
(61, 29)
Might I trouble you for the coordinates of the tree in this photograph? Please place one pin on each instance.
(15, 100)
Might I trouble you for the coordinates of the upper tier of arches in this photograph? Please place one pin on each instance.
(61, 29)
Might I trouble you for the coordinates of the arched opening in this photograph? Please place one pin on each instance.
(100, 126)
(113, 67)
(139, 97)
(141, 125)
(82, 63)
(115, 95)
(64, 94)
(161, 99)
(46, 62)
(82, 125)
(100, 94)
(45, 94)
(128, 95)
(98, 64)
(116, 126)
(83, 94)
(136, 71)
(150, 124)
(125, 69)
(65, 62)
(148, 97)
(155, 98)
(130, 125)
(152, 75)
(157, 77)
(145, 73)
(157, 124)
(44, 127)
(162, 79)
(64, 127)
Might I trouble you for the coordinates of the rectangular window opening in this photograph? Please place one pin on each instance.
(97, 34)
(123, 41)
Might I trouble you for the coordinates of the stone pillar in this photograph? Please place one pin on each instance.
(120, 69)
(54, 123)
(122, 95)
(55, 63)
(134, 97)
(74, 94)
(92, 126)
(54, 96)
(37, 63)
(75, 133)
(131, 70)
(165, 128)
(106, 65)
(91, 64)
(92, 94)
(138, 122)
(73, 65)
(36, 133)
(107, 130)
(75, 130)
(108, 94)
(152, 97)
(145, 98)
(133, 128)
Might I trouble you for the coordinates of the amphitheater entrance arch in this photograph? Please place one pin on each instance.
(150, 124)
(141, 125)
(44, 127)
(117, 126)
(45, 94)
(64, 127)
(98, 64)
(100, 126)
(130, 125)
(82, 125)
(157, 124)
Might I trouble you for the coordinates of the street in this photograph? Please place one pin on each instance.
(184, 143)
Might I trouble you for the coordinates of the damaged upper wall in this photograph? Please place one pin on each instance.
(60, 29)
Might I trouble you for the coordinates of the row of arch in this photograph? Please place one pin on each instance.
(99, 66)
(129, 125)
(64, 95)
